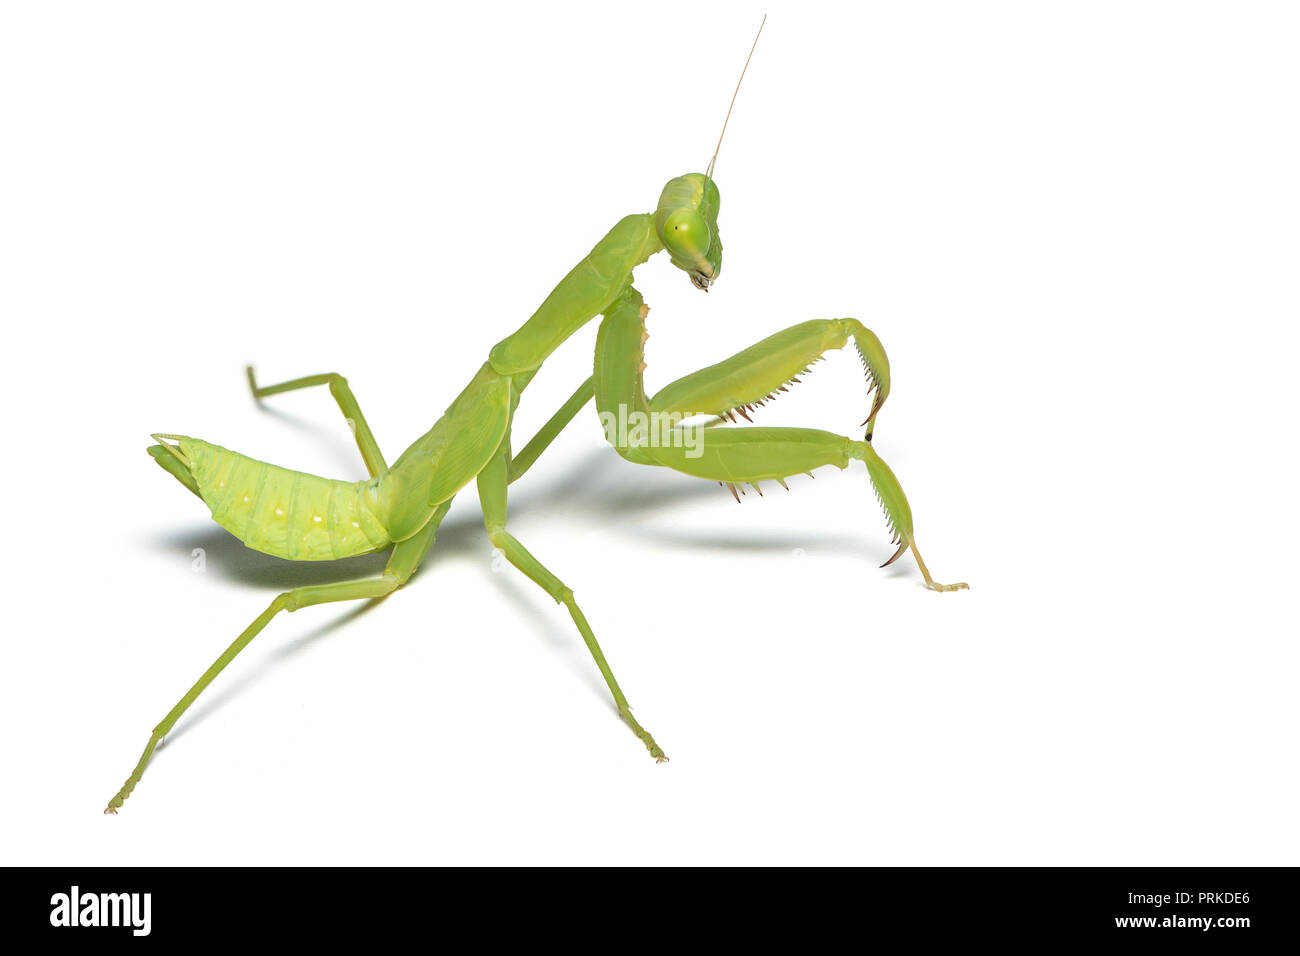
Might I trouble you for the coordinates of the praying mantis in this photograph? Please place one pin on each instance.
(686, 426)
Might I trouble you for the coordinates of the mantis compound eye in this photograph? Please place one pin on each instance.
(686, 235)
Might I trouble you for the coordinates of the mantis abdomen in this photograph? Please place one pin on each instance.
(289, 514)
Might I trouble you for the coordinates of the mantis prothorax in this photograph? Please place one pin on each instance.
(304, 517)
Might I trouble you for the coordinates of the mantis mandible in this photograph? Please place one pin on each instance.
(304, 517)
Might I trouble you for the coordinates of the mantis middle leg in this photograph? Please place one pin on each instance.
(348, 405)
(548, 432)
(493, 483)
(403, 562)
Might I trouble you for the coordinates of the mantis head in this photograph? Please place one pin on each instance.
(687, 217)
(687, 224)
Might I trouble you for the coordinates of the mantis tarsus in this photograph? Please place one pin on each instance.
(399, 507)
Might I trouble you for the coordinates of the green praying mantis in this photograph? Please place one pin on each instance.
(304, 517)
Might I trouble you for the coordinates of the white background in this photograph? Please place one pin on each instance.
(1074, 226)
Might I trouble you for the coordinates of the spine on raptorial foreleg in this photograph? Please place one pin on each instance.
(617, 379)
(898, 511)
(754, 454)
(874, 362)
(889, 492)
(289, 514)
(759, 373)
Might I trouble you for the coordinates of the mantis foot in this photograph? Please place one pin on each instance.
(935, 586)
(120, 798)
(930, 582)
(906, 542)
(655, 750)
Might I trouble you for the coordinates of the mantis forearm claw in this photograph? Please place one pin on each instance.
(935, 586)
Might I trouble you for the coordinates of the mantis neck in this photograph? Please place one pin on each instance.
(459, 445)
(589, 288)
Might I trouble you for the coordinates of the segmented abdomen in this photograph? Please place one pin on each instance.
(286, 513)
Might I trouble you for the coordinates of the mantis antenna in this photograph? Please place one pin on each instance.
(708, 174)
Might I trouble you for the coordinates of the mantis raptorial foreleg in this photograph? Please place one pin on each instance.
(493, 482)
(738, 456)
(403, 562)
(756, 374)
(348, 405)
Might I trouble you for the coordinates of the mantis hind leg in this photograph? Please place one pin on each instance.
(548, 432)
(347, 403)
(738, 456)
(492, 486)
(402, 564)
